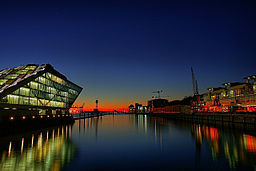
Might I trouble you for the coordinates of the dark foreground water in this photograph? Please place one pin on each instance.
(129, 142)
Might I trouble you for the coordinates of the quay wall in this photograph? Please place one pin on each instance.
(32, 122)
(246, 121)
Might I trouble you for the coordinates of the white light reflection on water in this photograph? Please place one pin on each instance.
(50, 153)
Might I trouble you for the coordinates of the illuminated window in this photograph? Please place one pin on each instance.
(2, 81)
(3, 71)
(33, 93)
(53, 90)
(48, 89)
(42, 80)
(22, 72)
(33, 85)
(12, 76)
(33, 101)
(24, 91)
(231, 92)
(31, 67)
(24, 100)
(41, 87)
(13, 99)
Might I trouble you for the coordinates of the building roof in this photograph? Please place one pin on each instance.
(233, 84)
(250, 77)
(215, 89)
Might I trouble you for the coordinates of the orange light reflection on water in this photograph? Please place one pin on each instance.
(214, 133)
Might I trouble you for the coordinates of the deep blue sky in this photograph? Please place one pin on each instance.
(121, 51)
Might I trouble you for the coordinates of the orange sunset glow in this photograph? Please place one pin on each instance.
(107, 104)
(104, 106)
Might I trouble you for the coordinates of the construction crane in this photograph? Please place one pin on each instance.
(194, 82)
(158, 92)
(196, 97)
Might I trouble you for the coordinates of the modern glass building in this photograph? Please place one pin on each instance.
(36, 89)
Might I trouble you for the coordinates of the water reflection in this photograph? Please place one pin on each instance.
(130, 142)
(49, 149)
(238, 148)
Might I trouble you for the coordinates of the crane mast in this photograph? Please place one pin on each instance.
(194, 83)
(196, 97)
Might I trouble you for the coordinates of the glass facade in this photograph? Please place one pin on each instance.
(10, 77)
(46, 90)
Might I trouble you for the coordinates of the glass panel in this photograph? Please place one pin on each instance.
(13, 99)
(41, 87)
(12, 76)
(33, 101)
(3, 81)
(24, 91)
(42, 80)
(31, 67)
(33, 85)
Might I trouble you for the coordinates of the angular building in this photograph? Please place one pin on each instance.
(35, 90)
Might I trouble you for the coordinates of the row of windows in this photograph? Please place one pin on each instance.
(47, 83)
(14, 99)
(3, 71)
(48, 89)
(3, 81)
(23, 91)
(50, 77)
(22, 71)
(232, 93)
(12, 76)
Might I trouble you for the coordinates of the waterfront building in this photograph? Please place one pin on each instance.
(157, 103)
(233, 97)
(131, 109)
(138, 108)
(35, 90)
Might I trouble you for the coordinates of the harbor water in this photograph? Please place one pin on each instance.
(130, 142)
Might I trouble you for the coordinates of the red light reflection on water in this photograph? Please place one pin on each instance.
(214, 133)
(250, 143)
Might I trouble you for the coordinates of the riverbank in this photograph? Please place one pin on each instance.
(244, 121)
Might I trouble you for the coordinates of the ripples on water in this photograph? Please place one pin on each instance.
(129, 142)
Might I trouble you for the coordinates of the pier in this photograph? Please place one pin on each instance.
(87, 114)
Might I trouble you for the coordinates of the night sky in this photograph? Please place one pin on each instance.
(121, 51)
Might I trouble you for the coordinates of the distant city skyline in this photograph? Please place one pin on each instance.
(122, 51)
